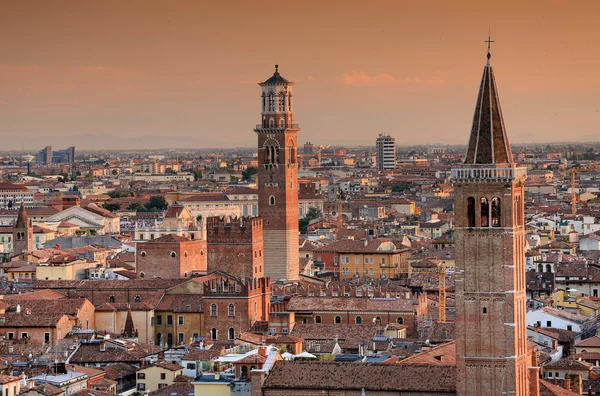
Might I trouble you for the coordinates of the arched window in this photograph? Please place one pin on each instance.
(170, 340)
(281, 123)
(201, 252)
(496, 212)
(338, 320)
(485, 212)
(400, 320)
(540, 268)
(185, 254)
(317, 319)
(138, 299)
(231, 333)
(470, 212)
(214, 334)
(173, 254)
(111, 299)
(185, 274)
(272, 200)
(484, 310)
(213, 310)
(143, 254)
(231, 310)
(377, 320)
(142, 274)
(358, 320)
(548, 268)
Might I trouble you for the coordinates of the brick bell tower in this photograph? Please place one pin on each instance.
(278, 178)
(491, 340)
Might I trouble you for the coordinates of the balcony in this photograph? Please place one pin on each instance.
(488, 174)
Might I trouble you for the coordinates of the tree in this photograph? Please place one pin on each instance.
(156, 203)
(112, 206)
(138, 207)
(313, 213)
(249, 172)
(197, 175)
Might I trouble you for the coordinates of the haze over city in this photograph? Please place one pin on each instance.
(148, 74)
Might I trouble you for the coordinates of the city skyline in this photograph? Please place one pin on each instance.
(111, 76)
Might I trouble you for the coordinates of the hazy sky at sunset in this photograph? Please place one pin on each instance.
(123, 73)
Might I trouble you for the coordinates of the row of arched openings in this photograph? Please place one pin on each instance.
(357, 320)
(489, 215)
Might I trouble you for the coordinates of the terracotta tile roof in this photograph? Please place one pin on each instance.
(325, 304)
(589, 342)
(569, 364)
(118, 371)
(169, 238)
(167, 366)
(550, 389)
(91, 392)
(252, 359)
(5, 379)
(321, 331)
(441, 354)
(353, 376)
(64, 306)
(354, 246)
(48, 389)
(13, 319)
(176, 389)
(181, 303)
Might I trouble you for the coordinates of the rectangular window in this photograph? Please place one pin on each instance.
(47, 338)
(181, 338)
(569, 327)
(11, 336)
(180, 320)
(169, 320)
(160, 386)
(24, 335)
(345, 260)
(356, 260)
(159, 320)
(284, 330)
(141, 376)
(141, 387)
(163, 376)
(548, 323)
(191, 366)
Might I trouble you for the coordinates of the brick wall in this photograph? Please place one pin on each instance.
(235, 246)
(170, 260)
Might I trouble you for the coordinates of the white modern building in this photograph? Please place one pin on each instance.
(386, 152)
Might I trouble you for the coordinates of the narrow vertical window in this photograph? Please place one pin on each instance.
(496, 212)
(485, 212)
(471, 212)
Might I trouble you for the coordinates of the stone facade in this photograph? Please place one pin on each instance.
(235, 246)
(170, 257)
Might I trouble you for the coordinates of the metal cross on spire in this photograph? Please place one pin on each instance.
(489, 42)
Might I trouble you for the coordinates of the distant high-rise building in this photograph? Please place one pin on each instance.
(386, 152)
(47, 156)
(44, 156)
(278, 178)
(64, 156)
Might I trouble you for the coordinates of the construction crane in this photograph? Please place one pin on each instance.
(441, 271)
(574, 170)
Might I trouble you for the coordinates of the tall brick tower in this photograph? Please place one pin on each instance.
(22, 233)
(491, 341)
(278, 178)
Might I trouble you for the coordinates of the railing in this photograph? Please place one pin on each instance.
(474, 174)
(292, 126)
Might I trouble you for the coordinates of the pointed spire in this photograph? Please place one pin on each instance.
(488, 143)
(129, 328)
(22, 218)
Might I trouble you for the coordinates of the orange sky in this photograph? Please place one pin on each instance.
(112, 74)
